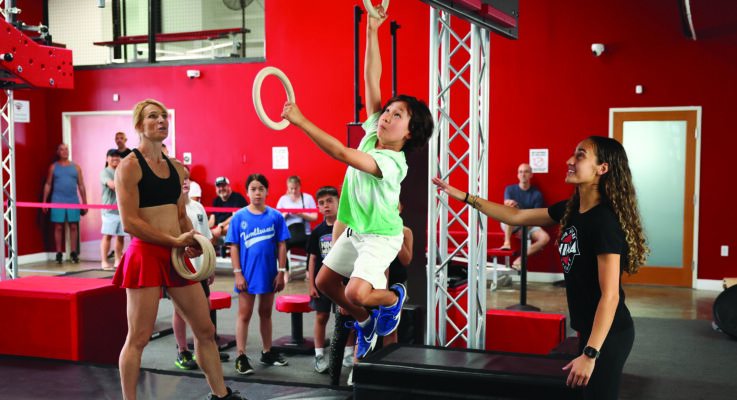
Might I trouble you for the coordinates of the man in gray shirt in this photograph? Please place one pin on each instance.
(111, 225)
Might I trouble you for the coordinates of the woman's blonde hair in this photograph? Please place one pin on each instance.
(138, 111)
(618, 192)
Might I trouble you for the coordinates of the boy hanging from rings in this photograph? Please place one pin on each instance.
(369, 228)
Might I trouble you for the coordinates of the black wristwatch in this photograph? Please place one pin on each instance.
(591, 352)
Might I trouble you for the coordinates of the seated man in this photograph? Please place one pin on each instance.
(220, 221)
(524, 196)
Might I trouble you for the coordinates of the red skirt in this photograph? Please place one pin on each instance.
(149, 265)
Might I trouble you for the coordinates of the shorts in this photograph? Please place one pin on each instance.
(62, 215)
(517, 230)
(149, 265)
(111, 225)
(322, 303)
(364, 255)
(205, 287)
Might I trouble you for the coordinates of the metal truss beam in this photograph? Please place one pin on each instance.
(459, 66)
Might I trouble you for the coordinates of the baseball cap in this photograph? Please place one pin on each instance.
(112, 152)
(194, 189)
(221, 180)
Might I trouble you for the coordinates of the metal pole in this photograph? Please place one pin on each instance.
(394, 27)
(152, 16)
(357, 106)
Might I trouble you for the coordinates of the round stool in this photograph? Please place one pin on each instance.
(296, 305)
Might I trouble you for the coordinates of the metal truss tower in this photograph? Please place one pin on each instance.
(459, 67)
(9, 242)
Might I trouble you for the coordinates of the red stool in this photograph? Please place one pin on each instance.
(296, 305)
(218, 301)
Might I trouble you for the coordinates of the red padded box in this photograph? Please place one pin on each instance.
(79, 319)
(524, 331)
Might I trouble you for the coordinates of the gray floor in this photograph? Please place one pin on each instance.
(160, 353)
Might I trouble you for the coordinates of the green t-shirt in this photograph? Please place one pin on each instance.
(369, 204)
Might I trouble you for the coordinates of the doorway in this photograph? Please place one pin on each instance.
(89, 136)
(663, 147)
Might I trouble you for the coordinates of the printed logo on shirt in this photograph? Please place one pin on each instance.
(325, 244)
(200, 218)
(257, 235)
(568, 248)
(244, 225)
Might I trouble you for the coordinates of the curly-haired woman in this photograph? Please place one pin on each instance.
(600, 237)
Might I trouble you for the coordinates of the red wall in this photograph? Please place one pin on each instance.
(547, 91)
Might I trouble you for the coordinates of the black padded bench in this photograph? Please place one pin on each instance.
(402, 371)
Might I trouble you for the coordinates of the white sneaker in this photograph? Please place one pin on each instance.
(350, 378)
(348, 360)
(321, 364)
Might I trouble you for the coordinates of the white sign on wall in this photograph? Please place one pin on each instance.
(539, 160)
(280, 157)
(21, 111)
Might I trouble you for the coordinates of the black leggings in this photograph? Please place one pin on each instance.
(606, 379)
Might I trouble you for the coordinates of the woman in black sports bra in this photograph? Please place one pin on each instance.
(153, 211)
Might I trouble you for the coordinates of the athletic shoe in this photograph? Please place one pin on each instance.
(230, 396)
(321, 364)
(365, 337)
(348, 360)
(224, 356)
(273, 358)
(185, 360)
(58, 258)
(242, 366)
(74, 258)
(350, 378)
(389, 317)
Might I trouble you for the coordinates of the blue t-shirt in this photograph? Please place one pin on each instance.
(527, 199)
(257, 236)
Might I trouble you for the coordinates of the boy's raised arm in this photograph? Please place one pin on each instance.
(372, 63)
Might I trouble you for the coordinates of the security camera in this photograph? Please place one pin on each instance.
(597, 49)
(193, 73)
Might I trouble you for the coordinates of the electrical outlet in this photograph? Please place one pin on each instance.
(725, 251)
(187, 158)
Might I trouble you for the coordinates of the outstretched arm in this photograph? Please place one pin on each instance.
(372, 63)
(499, 212)
(329, 144)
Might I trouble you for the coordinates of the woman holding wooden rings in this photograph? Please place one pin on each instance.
(152, 210)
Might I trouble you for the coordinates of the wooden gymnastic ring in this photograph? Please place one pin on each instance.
(208, 261)
(277, 126)
(372, 11)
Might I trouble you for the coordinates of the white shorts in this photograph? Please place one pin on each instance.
(111, 225)
(364, 255)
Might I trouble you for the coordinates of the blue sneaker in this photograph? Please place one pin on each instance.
(365, 337)
(389, 317)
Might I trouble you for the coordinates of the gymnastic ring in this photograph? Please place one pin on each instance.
(208, 260)
(277, 126)
(372, 11)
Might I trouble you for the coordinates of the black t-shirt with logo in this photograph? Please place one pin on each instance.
(585, 236)
(319, 244)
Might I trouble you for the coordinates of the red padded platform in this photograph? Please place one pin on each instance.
(293, 303)
(220, 300)
(524, 331)
(79, 319)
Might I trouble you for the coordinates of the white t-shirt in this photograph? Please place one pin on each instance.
(286, 202)
(198, 216)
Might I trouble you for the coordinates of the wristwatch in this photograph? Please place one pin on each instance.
(591, 352)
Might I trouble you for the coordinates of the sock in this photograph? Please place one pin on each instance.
(348, 351)
(319, 352)
(365, 323)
